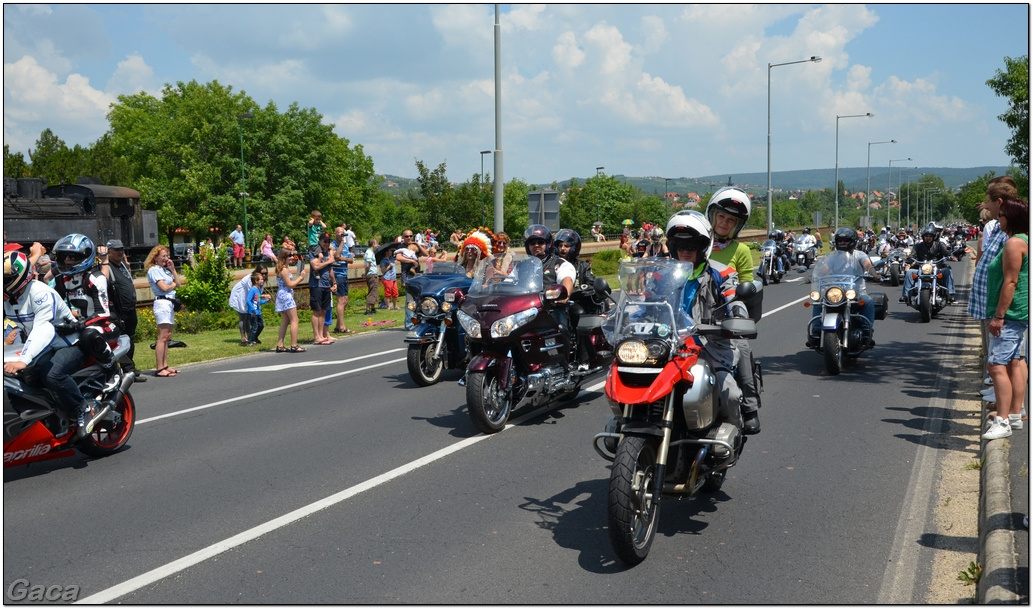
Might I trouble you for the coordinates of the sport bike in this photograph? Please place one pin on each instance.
(665, 438)
(35, 429)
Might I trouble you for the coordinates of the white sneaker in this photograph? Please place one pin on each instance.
(991, 397)
(988, 381)
(999, 428)
(1015, 420)
(987, 391)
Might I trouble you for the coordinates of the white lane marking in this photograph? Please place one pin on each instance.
(176, 566)
(267, 391)
(785, 306)
(279, 367)
(793, 280)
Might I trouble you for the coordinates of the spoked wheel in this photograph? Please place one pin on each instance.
(424, 368)
(925, 305)
(488, 405)
(112, 432)
(833, 351)
(633, 508)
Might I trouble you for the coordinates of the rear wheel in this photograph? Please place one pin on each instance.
(925, 305)
(111, 433)
(632, 507)
(424, 368)
(833, 351)
(488, 405)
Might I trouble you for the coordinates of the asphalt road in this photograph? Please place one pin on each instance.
(329, 477)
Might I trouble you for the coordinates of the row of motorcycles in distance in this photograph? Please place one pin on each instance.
(664, 439)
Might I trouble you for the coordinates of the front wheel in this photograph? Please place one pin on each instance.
(632, 506)
(833, 352)
(488, 405)
(424, 368)
(895, 274)
(925, 305)
(112, 432)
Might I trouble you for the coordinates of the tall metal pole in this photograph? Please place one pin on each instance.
(813, 58)
(500, 221)
(889, 186)
(868, 188)
(665, 197)
(243, 177)
(836, 187)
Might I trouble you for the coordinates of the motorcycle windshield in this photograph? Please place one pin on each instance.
(768, 246)
(526, 278)
(652, 290)
(839, 267)
(802, 243)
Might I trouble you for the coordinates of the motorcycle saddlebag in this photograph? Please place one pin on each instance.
(882, 304)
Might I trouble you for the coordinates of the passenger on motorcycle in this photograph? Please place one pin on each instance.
(568, 246)
(555, 270)
(810, 241)
(781, 255)
(690, 237)
(36, 308)
(845, 240)
(656, 245)
(728, 211)
(902, 240)
(929, 248)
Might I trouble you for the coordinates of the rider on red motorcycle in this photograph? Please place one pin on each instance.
(690, 239)
(36, 308)
(556, 270)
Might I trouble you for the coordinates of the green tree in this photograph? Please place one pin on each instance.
(14, 164)
(1013, 85)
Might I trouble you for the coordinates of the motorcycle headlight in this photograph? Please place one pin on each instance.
(411, 305)
(632, 352)
(505, 326)
(927, 269)
(470, 325)
(815, 296)
(428, 306)
(446, 307)
(834, 295)
(851, 294)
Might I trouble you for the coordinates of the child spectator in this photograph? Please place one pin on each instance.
(389, 278)
(316, 227)
(255, 300)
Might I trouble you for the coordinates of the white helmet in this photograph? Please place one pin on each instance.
(690, 224)
(733, 201)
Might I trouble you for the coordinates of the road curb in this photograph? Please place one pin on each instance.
(997, 540)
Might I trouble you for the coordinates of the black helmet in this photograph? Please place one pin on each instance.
(776, 235)
(929, 230)
(537, 231)
(845, 239)
(571, 238)
(807, 230)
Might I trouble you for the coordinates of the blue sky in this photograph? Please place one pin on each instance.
(642, 90)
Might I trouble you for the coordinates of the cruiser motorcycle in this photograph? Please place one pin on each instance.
(928, 293)
(521, 355)
(771, 262)
(665, 438)
(437, 342)
(838, 330)
(891, 265)
(803, 252)
(36, 430)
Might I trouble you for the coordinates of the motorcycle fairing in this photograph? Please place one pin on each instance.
(677, 370)
(35, 444)
(424, 333)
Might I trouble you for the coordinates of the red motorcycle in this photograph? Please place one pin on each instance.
(36, 430)
(521, 355)
(665, 437)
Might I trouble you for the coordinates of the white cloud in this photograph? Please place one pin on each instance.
(133, 75)
(614, 53)
(566, 51)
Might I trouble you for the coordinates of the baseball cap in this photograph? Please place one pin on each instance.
(12, 247)
(115, 244)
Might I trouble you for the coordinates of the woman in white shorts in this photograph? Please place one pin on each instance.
(161, 274)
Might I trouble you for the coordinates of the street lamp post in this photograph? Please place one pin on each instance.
(814, 59)
(243, 177)
(889, 186)
(665, 196)
(868, 115)
(598, 170)
(868, 187)
(926, 201)
(480, 184)
(909, 196)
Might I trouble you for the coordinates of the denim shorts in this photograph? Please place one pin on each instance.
(1010, 345)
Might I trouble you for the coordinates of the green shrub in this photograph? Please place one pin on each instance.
(606, 262)
(207, 286)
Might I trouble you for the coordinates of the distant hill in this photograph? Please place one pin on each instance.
(853, 178)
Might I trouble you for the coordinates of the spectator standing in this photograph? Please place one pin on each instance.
(237, 237)
(349, 238)
(372, 275)
(342, 258)
(1008, 299)
(457, 238)
(389, 279)
(161, 275)
(999, 189)
(122, 298)
(321, 282)
(409, 262)
(255, 300)
(238, 302)
(289, 277)
(268, 255)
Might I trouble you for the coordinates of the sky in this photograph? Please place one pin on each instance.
(667, 90)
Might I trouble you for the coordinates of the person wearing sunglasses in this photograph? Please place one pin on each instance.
(706, 301)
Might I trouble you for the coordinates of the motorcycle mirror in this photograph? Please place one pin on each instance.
(745, 290)
(555, 292)
(601, 286)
